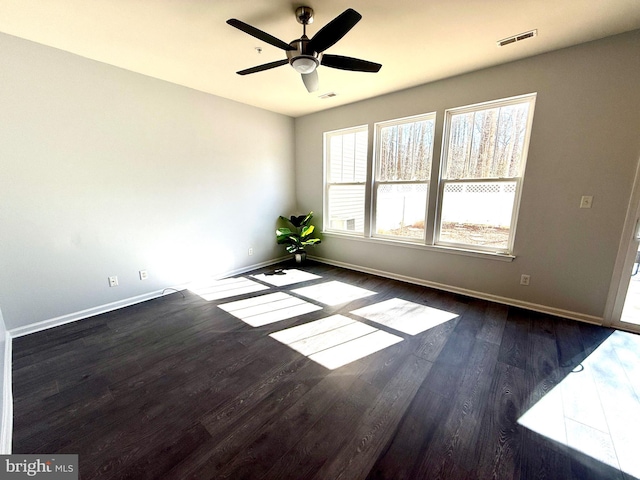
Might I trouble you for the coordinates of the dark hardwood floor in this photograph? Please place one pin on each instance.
(179, 388)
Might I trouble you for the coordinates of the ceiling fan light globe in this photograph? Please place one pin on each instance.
(304, 65)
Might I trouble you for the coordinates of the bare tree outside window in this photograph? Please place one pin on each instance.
(484, 154)
(404, 154)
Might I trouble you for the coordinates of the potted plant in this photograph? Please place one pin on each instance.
(299, 237)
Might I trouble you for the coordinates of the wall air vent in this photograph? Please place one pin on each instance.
(517, 38)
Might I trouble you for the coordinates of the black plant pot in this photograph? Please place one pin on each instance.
(300, 256)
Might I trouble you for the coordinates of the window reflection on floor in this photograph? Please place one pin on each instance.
(281, 277)
(333, 293)
(407, 317)
(596, 408)
(335, 341)
(270, 308)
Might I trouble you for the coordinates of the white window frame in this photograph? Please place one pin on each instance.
(326, 224)
(375, 182)
(436, 183)
(449, 113)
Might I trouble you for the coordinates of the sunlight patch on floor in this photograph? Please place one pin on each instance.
(270, 308)
(281, 277)
(335, 341)
(596, 408)
(407, 317)
(225, 288)
(333, 293)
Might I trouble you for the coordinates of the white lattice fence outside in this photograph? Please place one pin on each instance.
(400, 205)
(479, 203)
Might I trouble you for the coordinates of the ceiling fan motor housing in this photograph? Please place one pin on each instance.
(303, 59)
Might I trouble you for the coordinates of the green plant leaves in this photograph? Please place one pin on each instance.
(307, 219)
(306, 231)
(311, 241)
(297, 221)
(298, 239)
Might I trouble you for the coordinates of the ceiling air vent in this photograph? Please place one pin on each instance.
(517, 38)
(327, 95)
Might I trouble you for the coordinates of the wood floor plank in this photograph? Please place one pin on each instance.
(158, 461)
(493, 324)
(543, 372)
(499, 441)
(312, 450)
(57, 410)
(258, 452)
(226, 444)
(549, 463)
(593, 335)
(414, 433)
(317, 404)
(431, 342)
(181, 407)
(363, 447)
(569, 344)
(514, 348)
(299, 374)
(452, 451)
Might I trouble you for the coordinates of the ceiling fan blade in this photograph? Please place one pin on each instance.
(348, 63)
(311, 81)
(263, 67)
(259, 34)
(334, 30)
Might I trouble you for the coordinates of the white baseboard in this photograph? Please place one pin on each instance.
(470, 293)
(82, 314)
(6, 418)
(90, 312)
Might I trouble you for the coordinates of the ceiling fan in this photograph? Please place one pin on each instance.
(304, 54)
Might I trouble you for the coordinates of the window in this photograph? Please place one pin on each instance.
(346, 176)
(483, 163)
(475, 192)
(404, 151)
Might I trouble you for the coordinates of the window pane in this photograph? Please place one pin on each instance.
(459, 144)
(400, 210)
(405, 151)
(348, 157)
(477, 213)
(487, 143)
(346, 208)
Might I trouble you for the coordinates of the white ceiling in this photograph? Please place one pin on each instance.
(188, 42)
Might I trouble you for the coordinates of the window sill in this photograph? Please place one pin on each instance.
(502, 257)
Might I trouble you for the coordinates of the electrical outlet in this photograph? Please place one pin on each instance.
(143, 274)
(250, 251)
(586, 201)
(113, 281)
(524, 279)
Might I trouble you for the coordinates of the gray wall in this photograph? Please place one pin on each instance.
(585, 141)
(106, 172)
